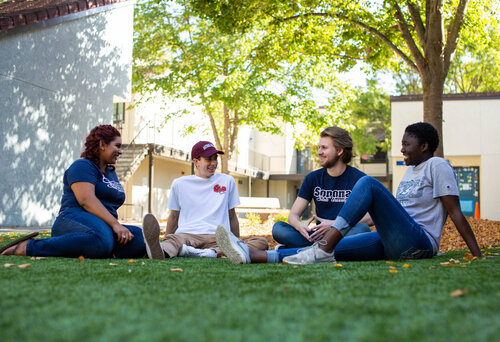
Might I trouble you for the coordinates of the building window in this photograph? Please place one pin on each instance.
(119, 112)
(379, 157)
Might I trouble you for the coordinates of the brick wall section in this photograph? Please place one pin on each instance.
(24, 12)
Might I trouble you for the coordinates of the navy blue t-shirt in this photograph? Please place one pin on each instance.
(107, 187)
(329, 193)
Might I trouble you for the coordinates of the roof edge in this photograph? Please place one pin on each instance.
(36, 15)
(462, 96)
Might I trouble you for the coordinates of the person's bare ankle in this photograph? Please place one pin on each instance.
(20, 249)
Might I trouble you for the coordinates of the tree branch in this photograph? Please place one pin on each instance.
(452, 34)
(414, 9)
(368, 28)
(403, 28)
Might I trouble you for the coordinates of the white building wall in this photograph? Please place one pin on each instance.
(470, 130)
(57, 81)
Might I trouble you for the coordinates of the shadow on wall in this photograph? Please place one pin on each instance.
(57, 83)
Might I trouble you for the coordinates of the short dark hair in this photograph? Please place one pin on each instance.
(425, 133)
(341, 140)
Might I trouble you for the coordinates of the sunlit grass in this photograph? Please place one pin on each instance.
(58, 299)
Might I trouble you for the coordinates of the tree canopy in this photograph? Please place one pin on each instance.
(421, 34)
(180, 54)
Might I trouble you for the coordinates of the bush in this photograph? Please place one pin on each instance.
(281, 216)
(253, 218)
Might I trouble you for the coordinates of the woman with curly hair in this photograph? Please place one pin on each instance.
(87, 223)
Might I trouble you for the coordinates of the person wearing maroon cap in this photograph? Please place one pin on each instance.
(198, 204)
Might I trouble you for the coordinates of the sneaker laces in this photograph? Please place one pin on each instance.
(320, 242)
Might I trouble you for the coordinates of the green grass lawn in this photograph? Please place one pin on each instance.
(58, 299)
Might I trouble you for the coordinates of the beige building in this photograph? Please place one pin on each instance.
(158, 150)
(471, 124)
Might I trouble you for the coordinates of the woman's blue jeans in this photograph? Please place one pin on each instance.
(288, 236)
(398, 236)
(77, 232)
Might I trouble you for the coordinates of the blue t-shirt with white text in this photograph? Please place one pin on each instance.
(329, 193)
(108, 189)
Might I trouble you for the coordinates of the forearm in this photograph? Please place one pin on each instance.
(466, 232)
(294, 221)
(95, 207)
(172, 222)
(235, 227)
(171, 227)
(234, 223)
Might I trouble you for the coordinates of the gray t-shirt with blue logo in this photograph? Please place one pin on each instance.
(419, 193)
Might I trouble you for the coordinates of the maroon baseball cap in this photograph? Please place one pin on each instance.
(204, 149)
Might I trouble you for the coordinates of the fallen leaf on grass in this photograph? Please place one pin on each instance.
(81, 258)
(111, 264)
(393, 271)
(176, 270)
(468, 256)
(143, 263)
(295, 266)
(24, 266)
(8, 265)
(432, 267)
(1, 239)
(38, 258)
(459, 293)
(406, 266)
(389, 262)
(131, 261)
(455, 261)
(447, 264)
(286, 288)
(337, 265)
(392, 268)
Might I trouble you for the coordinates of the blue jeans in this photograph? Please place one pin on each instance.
(285, 234)
(398, 236)
(77, 232)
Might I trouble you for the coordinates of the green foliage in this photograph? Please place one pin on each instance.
(281, 216)
(476, 66)
(254, 218)
(62, 299)
(370, 119)
(181, 54)
(385, 34)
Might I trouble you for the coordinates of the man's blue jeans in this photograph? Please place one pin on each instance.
(77, 232)
(288, 236)
(398, 236)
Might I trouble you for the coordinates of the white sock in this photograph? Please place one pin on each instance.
(190, 251)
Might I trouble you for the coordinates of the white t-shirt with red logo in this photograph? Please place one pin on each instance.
(203, 203)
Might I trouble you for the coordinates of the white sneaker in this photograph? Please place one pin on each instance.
(310, 255)
(235, 249)
(151, 234)
(190, 251)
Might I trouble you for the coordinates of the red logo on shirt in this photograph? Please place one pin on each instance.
(220, 189)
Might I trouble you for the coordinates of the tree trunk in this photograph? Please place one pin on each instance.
(433, 109)
(227, 138)
(433, 73)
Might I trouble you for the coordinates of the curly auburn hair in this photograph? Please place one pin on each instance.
(104, 133)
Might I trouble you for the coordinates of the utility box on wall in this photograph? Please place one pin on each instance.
(468, 187)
